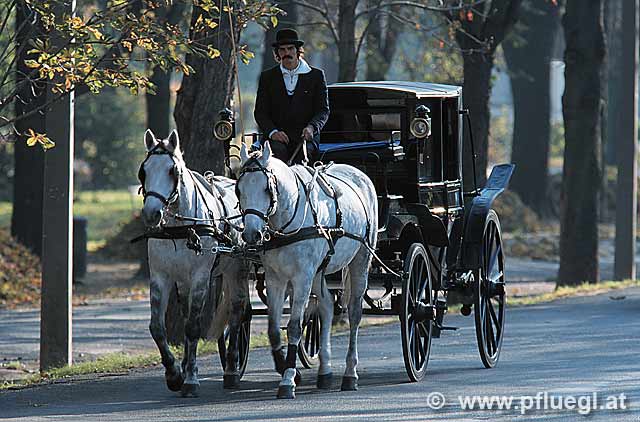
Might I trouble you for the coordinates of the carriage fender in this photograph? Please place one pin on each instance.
(433, 230)
(476, 215)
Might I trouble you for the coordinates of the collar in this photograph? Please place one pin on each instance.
(303, 67)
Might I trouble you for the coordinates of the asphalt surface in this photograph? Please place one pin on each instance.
(570, 349)
(119, 325)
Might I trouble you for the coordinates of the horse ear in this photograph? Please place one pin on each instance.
(244, 155)
(173, 141)
(150, 140)
(266, 153)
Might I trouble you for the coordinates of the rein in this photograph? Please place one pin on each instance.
(279, 238)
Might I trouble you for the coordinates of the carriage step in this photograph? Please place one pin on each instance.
(437, 328)
(445, 328)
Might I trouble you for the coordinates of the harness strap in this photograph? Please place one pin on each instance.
(164, 200)
(184, 232)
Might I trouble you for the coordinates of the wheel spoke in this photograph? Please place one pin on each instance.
(494, 317)
(491, 338)
(493, 259)
(495, 278)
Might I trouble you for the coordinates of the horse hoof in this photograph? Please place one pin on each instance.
(174, 382)
(190, 390)
(325, 381)
(231, 381)
(349, 384)
(286, 392)
(298, 377)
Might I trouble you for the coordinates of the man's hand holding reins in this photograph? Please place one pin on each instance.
(280, 136)
(307, 133)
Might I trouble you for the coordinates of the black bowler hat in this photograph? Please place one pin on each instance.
(287, 36)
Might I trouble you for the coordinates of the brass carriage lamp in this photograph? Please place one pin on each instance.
(225, 128)
(421, 124)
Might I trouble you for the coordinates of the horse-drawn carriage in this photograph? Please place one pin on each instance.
(386, 221)
(434, 238)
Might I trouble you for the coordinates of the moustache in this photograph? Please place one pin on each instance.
(287, 57)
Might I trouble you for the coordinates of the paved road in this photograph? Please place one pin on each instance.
(574, 347)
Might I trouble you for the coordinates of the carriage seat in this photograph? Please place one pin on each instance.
(359, 151)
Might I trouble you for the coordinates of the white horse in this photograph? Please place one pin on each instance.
(276, 199)
(183, 215)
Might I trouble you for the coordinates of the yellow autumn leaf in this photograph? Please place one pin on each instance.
(32, 64)
(274, 21)
(213, 52)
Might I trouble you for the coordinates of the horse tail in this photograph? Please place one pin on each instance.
(346, 288)
(221, 317)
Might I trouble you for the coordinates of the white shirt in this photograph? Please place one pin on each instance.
(291, 79)
(291, 76)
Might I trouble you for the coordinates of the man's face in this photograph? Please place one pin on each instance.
(288, 56)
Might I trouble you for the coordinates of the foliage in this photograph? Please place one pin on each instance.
(108, 138)
(500, 136)
(119, 246)
(6, 171)
(105, 210)
(19, 272)
(104, 47)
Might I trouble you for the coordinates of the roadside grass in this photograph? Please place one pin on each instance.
(104, 210)
(117, 363)
(584, 289)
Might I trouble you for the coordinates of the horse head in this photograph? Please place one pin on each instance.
(160, 176)
(257, 191)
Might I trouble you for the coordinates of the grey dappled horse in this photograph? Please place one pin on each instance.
(278, 201)
(176, 201)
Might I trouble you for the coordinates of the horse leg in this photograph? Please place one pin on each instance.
(275, 299)
(193, 331)
(236, 288)
(159, 298)
(358, 275)
(299, 301)
(325, 309)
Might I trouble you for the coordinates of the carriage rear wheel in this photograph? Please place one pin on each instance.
(244, 339)
(310, 340)
(416, 316)
(490, 294)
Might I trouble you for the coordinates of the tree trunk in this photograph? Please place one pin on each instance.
(347, 43)
(27, 216)
(381, 45)
(475, 94)
(615, 89)
(202, 95)
(529, 71)
(582, 109)
(479, 36)
(290, 20)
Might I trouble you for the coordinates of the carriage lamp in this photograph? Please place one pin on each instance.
(421, 124)
(225, 128)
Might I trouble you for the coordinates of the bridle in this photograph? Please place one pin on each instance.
(159, 149)
(252, 166)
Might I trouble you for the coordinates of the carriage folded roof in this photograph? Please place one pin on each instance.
(404, 88)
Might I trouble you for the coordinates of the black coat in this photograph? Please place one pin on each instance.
(309, 105)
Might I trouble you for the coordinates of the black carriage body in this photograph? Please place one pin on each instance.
(416, 179)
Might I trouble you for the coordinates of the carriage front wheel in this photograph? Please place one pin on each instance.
(416, 314)
(490, 294)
